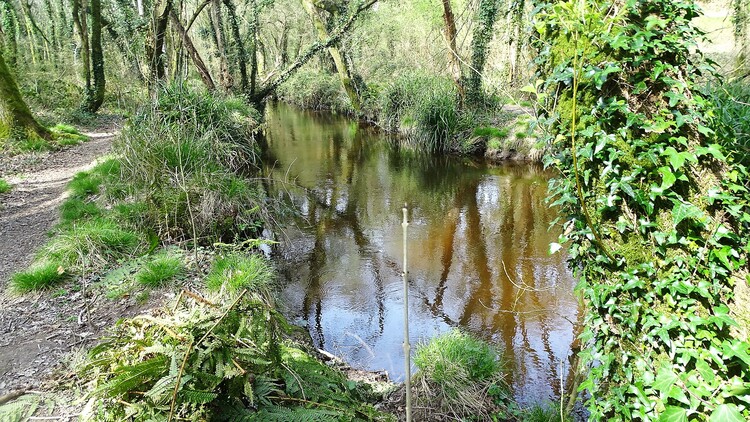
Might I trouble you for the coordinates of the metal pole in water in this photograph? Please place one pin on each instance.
(407, 347)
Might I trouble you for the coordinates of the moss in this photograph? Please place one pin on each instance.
(5, 186)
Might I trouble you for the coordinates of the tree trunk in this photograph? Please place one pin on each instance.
(217, 24)
(10, 28)
(239, 45)
(155, 46)
(95, 96)
(16, 114)
(200, 65)
(454, 62)
(341, 67)
(485, 21)
(80, 22)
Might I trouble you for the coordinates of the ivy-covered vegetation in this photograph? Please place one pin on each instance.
(658, 222)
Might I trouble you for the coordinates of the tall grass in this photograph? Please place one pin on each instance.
(459, 376)
(732, 109)
(186, 157)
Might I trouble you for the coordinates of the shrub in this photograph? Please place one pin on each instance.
(315, 89)
(185, 158)
(40, 275)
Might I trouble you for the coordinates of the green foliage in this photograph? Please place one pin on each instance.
(223, 362)
(24, 407)
(732, 123)
(236, 271)
(5, 186)
(160, 270)
(40, 275)
(658, 227)
(185, 159)
(75, 209)
(538, 413)
(315, 90)
(457, 373)
(90, 244)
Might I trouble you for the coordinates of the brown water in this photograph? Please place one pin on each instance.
(478, 250)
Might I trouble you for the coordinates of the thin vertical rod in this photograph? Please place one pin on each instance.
(407, 346)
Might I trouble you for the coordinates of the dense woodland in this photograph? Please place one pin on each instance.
(647, 135)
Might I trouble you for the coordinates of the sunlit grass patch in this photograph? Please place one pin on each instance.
(160, 270)
(5, 186)
(76, 209)
(235, 272)
(91, 243)
(40, 275)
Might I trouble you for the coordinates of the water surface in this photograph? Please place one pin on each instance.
(478, 242)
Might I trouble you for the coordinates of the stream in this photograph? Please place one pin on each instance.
(478, 250)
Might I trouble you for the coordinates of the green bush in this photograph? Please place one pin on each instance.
(235, 272)
(90, 244)
(315, 89)
(40, 275)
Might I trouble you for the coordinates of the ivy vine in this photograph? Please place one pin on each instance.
(658, 220)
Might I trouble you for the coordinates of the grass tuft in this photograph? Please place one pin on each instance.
(5, 186)
(160, 270)
(40, 275)
(236, 271)
(84, 184)
(75, 209)
(459, 376)
(90, 244)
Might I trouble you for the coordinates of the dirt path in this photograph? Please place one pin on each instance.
(37, 329)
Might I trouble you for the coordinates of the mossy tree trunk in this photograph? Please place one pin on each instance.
(9, 25)
(156, 42)
(200, 65)
(658, 217)
(480, 42)
(15, 113)
(81, 25)
(454, 63)
(341, 67)
(95, 93)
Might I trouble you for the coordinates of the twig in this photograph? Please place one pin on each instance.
(222, 317)
(11, 396)
(177, 382)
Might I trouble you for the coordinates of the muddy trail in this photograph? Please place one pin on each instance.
(38, 329)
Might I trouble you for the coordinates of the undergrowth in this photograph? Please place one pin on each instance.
(459, 377)
(221, 357)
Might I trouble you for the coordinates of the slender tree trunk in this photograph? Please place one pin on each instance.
(341, 67)
(79, 20)
(241, 54)
(155, 46)
(454, 62)
(10, 28)
(95, 96)
(485, 21)
(17, 114)
(200, 65)
(225, 77)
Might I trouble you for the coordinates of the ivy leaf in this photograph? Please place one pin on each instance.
(673, 414)
(667, 178)
(682, 210)
(665, 378)
(726, 413)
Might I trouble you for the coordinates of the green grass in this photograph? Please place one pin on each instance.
(491, 132)
(5, 186)
(459, 376)
(160, 270)
(84, 184)
(538, 413)
(40, 275)
(236, 272)
(91, 243)
(455, 355)
(75, 209)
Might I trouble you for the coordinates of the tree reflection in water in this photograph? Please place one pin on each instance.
(478, 250)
